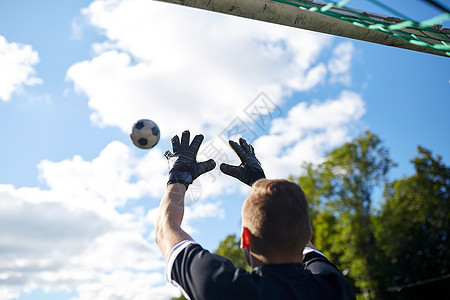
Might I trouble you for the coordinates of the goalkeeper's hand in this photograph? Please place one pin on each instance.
(250, 169)
(183, 166)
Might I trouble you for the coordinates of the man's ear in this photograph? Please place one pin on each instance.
(245, 238)
(310, 235)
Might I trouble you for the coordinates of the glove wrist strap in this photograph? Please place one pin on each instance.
(180, 177)
(253, 180)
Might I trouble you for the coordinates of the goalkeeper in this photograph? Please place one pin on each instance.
(275, 238)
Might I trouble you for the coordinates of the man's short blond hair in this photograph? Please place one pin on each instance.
(276, 214)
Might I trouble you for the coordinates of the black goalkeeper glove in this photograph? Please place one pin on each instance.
(183, 166)
(250, 169)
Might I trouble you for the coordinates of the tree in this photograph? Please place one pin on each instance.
(340, 192)
(413, 229)
(181, 297)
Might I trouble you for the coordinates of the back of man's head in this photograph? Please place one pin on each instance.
(276, 214)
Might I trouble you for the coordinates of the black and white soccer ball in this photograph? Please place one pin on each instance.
(145, 134)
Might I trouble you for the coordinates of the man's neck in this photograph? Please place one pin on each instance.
(258, 260)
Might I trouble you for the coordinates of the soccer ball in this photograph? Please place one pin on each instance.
(145, 134)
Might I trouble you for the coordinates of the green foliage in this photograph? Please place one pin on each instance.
(405, 243)
(230, 248)
(414, 223)
(182, 297)
(340, 191)
(327, 236)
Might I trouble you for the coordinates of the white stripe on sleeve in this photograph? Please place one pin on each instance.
(172, 256)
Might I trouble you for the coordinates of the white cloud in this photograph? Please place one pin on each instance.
(16, 67)
(340, 64)
(75, 234)
(107, 181)
(307, 132)
(185, 67)
(6, 293)
(181, 66)
(199, 211)
(124, 284)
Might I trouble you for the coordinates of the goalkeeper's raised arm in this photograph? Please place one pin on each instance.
(275, 237)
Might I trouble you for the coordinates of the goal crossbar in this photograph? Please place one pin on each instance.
(311, 19)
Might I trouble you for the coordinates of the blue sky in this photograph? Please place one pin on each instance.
(78, 202)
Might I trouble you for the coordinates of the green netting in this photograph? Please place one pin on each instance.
(424, 33)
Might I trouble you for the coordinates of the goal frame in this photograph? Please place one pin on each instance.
(288, 15)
